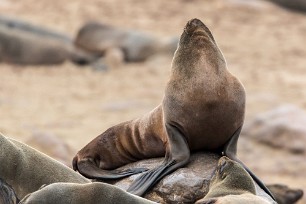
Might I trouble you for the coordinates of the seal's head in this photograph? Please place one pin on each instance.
(196, 32)
(198, 49)
(230, 178)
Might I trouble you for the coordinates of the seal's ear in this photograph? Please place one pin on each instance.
(207, 201)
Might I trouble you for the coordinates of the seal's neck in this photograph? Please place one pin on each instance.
(194, 59)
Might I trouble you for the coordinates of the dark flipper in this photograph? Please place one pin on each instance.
(230, 150)
(177, 155)
(90, 170)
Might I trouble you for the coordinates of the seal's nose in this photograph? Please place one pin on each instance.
(193, 24)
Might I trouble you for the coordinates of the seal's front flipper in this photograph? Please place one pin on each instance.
(177, 155)
(147, 180)
(88, 169)
(230, 150)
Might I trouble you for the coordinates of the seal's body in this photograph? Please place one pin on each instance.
(203, 109)
(76, 193)
(26, 169)
(25, 44)
(202, 99)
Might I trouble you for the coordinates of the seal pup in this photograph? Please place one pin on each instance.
(90, 193)
(7, 194)
(202, 109)
(231, 184)
(20, 164)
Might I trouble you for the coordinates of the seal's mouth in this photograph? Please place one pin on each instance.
(196, 28)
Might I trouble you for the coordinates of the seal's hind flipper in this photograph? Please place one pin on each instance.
(177, 155)
(90, 170)
(230, 150)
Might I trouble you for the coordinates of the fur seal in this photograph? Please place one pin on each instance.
(20, 25)
(90, 193)
(202, 109)
(231, 184)
(26, 44)
(135, 46)
(7, 194)
(26, 169)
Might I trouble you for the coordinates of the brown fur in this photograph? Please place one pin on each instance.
(202, 108)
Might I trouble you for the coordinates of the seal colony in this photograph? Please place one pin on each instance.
(202, 109)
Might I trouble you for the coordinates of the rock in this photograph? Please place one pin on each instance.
(51, 145)
(283, 127)
(285, 195)
(186, 185)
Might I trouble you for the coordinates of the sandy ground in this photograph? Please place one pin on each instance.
(264, 46)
